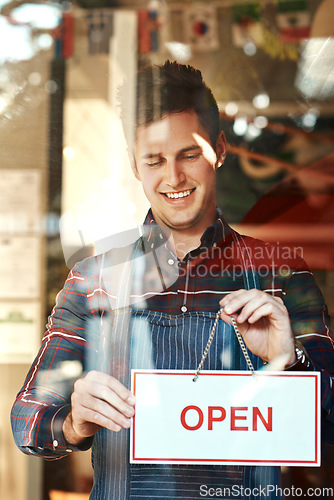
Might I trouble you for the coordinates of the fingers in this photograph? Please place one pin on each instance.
(103, 401)
(263, 321)
(99, 413)
(108, 388)
(251, 305)
(261, 311)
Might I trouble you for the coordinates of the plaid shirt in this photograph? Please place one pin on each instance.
(160, 282)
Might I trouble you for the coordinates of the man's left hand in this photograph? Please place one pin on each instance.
(263, 322)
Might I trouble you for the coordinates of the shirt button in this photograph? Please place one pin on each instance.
(55, 443)
(170, 262)
(184, 309)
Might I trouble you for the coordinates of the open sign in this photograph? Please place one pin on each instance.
(234, 417)
(226, 417)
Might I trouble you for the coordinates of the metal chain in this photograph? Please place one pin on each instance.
(211, 337)
(208, 345)
(242, 344)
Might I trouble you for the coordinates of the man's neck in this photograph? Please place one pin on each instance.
(183, 241)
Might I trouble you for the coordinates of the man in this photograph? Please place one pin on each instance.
(153, 304)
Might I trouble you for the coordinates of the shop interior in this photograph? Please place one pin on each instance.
(66, 186)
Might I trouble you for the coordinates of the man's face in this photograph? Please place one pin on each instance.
(177, 166)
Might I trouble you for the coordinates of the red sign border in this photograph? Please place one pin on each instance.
(196, 461)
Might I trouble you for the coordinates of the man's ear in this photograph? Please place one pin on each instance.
(133, 165)
(220, 149)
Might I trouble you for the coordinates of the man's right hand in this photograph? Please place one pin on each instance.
(98, 400)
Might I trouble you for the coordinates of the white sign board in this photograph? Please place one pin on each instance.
(20, 330)
(20, 267)
(20, 200)
(226, 417)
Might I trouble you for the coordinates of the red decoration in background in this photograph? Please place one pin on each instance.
(200, 28)
(144, 35)
(294, 34)
(68, 35)
(148, 28)
(64, 36)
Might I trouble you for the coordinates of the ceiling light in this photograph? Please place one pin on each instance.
(261, 101)
(240, 125)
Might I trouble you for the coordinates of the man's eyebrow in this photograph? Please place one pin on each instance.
(190, 148)
(151, 155)
(194, 147)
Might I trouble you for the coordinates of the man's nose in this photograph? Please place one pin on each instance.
(174, 175)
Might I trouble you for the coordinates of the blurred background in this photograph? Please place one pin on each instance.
(66, 186)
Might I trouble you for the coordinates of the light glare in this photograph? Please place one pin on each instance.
(261, 101)
(34, 78)
(261, 121)
(240, 126)
(309, 120)
(37, 15)
(231, 109)
(252, 132)
(250, 48)
(3, 104)
(68, 153)
(180, 51)
(44, 41)
(130, 208)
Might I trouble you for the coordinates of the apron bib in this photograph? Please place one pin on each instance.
(153, 340)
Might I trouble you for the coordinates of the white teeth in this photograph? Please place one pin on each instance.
(181, 194)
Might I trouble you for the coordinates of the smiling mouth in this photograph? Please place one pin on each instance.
(179, 194)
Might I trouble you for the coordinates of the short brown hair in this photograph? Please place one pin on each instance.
(171, 88)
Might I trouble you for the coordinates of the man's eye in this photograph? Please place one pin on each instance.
(154, 163)
(192, 156)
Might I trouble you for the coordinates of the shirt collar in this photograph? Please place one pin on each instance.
(212, 236)
(216, 233)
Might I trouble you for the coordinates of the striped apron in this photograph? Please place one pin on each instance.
(153, 340)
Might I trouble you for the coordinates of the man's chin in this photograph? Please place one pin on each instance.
(180, 225)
